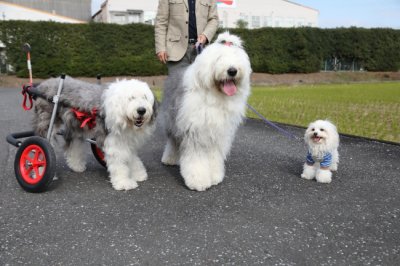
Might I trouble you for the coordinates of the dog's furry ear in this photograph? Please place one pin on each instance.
(113, 109)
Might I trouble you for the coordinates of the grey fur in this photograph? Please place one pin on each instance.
(125, 118)
(172, 98)
(78, 94)
(203, 105)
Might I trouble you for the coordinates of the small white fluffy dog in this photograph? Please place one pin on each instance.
(203, 109)
(123, 119)
(322, 140)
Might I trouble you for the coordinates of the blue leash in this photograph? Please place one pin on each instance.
(284, 132)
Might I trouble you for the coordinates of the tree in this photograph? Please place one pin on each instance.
(241, 24)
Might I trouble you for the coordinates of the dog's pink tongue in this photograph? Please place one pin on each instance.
(229, 88)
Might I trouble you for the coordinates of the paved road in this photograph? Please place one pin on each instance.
(262, 213)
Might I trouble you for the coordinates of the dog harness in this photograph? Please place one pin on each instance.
(325, 161)
(86, 118)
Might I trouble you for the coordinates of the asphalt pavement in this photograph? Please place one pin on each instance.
(262, 213)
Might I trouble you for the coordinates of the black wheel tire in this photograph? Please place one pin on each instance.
(35, 164)
(98, 154)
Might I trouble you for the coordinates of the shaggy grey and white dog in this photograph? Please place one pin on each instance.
(203, 109)
(120, 116)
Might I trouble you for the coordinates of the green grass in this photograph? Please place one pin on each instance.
(157, 92)
(370, 110)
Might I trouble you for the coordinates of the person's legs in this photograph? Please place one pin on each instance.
(187, 59)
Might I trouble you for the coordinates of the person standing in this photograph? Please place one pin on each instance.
(179, 25)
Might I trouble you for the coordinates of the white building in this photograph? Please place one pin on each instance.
(256, 13)
(266, 13)
(127, 11)
(13, 11)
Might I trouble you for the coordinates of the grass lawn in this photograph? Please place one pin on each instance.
(370, 110)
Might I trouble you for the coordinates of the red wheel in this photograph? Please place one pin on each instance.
(98, 154)
(35, 164)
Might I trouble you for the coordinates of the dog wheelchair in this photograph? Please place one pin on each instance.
(35, 160)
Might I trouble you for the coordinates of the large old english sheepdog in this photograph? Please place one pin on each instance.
(202, 109)
(119, 115)
(322, 140)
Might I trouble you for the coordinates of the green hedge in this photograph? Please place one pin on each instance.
(303, 50)
(112, 50)
(81, 49)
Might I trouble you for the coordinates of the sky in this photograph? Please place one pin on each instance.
(359, 13)
(343, 13)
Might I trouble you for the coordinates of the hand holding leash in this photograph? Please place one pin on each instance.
(199, 47)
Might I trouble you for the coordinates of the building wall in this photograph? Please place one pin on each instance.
(122, 5)
(76, 9)
(124, 12)
(257, 13)
(10, 11)
(267, 13)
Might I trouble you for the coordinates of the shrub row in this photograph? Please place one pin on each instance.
(81, 49)
(112, 50)
(303, 50)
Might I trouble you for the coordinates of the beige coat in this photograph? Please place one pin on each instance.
(172, 29)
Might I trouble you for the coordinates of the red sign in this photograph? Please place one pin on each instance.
(225, 2)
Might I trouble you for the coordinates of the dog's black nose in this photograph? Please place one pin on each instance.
(141, 110)
(315, 134)
(232, 71)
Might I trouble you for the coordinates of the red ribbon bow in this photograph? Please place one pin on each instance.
(86, 118)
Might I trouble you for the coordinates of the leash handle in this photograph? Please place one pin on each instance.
(27, 96)
(199, 47)
(27, 48)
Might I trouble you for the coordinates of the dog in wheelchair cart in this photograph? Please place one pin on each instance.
(119, 116)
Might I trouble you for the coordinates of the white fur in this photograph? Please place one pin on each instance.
(121, 102)
(327, 142)
(74, 156)
(124, 118)
(207, 119)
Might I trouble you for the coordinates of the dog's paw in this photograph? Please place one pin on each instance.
(197, 180)
(195, 170)
(307, 177)
(169, 160)
(198, 184)
(170, 155)
(139, 177)
(216, 179)
(76, 166)
(217, 174)
(333, 167)
(124, 184)
(308, 172)
(217, 170)
(324, 176)
(325, 180)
